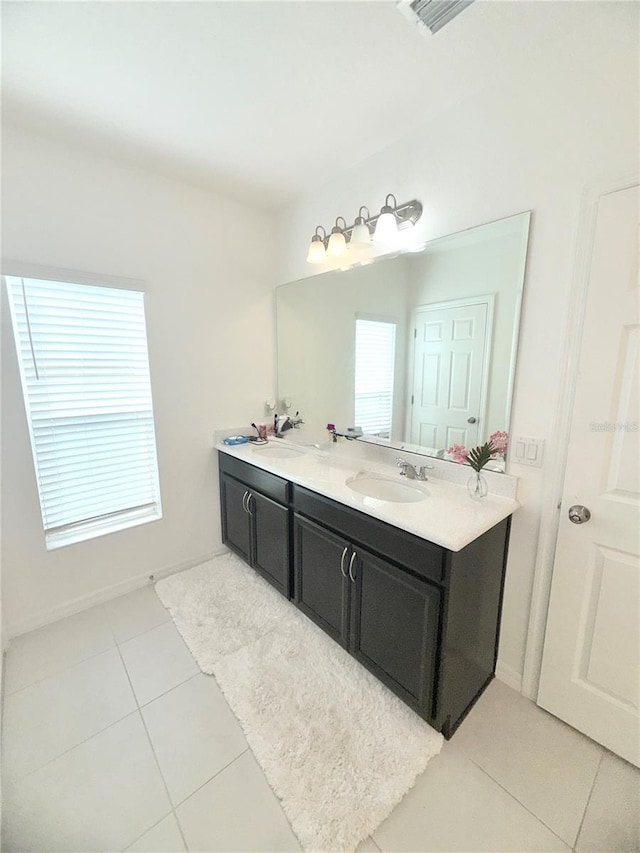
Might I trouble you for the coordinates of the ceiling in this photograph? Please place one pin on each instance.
(260, 100)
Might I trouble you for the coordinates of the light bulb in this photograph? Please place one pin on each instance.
(337, 243)
(317, 252)
(360, 236)
(386, 226)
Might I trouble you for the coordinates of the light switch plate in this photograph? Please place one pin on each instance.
(527, 451)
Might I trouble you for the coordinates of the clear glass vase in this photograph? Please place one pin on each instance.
(477, 486)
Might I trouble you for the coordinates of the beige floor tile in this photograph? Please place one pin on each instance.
(612, 820)
(548, 766)
(236, 811)
(33, 656)
(455, 806)
(194, 734)
(163, 838)
(157, 661)
(99, 796)
(46, 719)
(135, 613)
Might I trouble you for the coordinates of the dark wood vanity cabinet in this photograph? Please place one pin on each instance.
(321, 586)
(384, 616)
(423, 619)
(254, 524)
(394, 628)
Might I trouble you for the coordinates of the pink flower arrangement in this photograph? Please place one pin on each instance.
(478, 457)
(499, 440)
(458, 453)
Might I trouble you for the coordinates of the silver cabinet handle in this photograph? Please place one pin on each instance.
(351, 562)
(342, 568)
(579, 514)
(249, 496)
(471, 420)
(244, 501)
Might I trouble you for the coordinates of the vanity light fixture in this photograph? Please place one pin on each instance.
(393, 217)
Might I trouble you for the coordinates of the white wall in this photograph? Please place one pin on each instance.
(209, 310)
(535, 140)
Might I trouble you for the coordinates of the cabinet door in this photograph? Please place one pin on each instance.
(321, 590)
(270, 540)
(394, 628)
(235, 519)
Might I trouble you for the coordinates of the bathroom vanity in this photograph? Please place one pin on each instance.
(411, 587)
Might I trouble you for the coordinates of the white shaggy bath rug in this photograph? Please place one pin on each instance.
(220, 606)
(337, 747)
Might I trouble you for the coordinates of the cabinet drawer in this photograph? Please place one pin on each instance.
(270, 485)
(422, 557)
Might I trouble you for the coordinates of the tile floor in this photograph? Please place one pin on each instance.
(113, 740)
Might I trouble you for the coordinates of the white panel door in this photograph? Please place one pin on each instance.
(451, 343)
(591, 666)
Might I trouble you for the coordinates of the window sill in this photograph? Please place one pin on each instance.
(93, 529)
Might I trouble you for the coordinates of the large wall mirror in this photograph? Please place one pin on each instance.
(417, 350)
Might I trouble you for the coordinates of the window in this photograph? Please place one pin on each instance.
(375, 359)
(84, 365)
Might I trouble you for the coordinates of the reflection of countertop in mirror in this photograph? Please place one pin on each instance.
(448, 516)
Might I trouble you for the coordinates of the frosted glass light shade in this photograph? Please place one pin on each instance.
(386, 228)
(317, 252)
(337, 243)
(360, 237)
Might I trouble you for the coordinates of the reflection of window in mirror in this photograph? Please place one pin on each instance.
(374, 368)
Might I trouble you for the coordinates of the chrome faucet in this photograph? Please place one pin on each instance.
(409, 471)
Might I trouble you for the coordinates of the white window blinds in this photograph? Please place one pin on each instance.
(375, 358)
(85, 375)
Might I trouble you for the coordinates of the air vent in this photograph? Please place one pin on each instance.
(432, 14)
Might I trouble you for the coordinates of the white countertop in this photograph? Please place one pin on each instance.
(448, 516)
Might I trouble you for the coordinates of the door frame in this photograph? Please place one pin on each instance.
(561, 431)
(488, 299)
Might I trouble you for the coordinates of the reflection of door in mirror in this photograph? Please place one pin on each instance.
(452, 343)
(317, 341)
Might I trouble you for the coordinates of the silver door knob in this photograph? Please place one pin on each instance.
(471, 420)
(579, 514)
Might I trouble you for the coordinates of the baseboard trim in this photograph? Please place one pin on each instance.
(509, 676)
(92, 599)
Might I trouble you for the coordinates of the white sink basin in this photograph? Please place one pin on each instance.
(274, 451)
(382, 488)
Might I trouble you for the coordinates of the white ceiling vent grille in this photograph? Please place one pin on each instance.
(432, 14)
